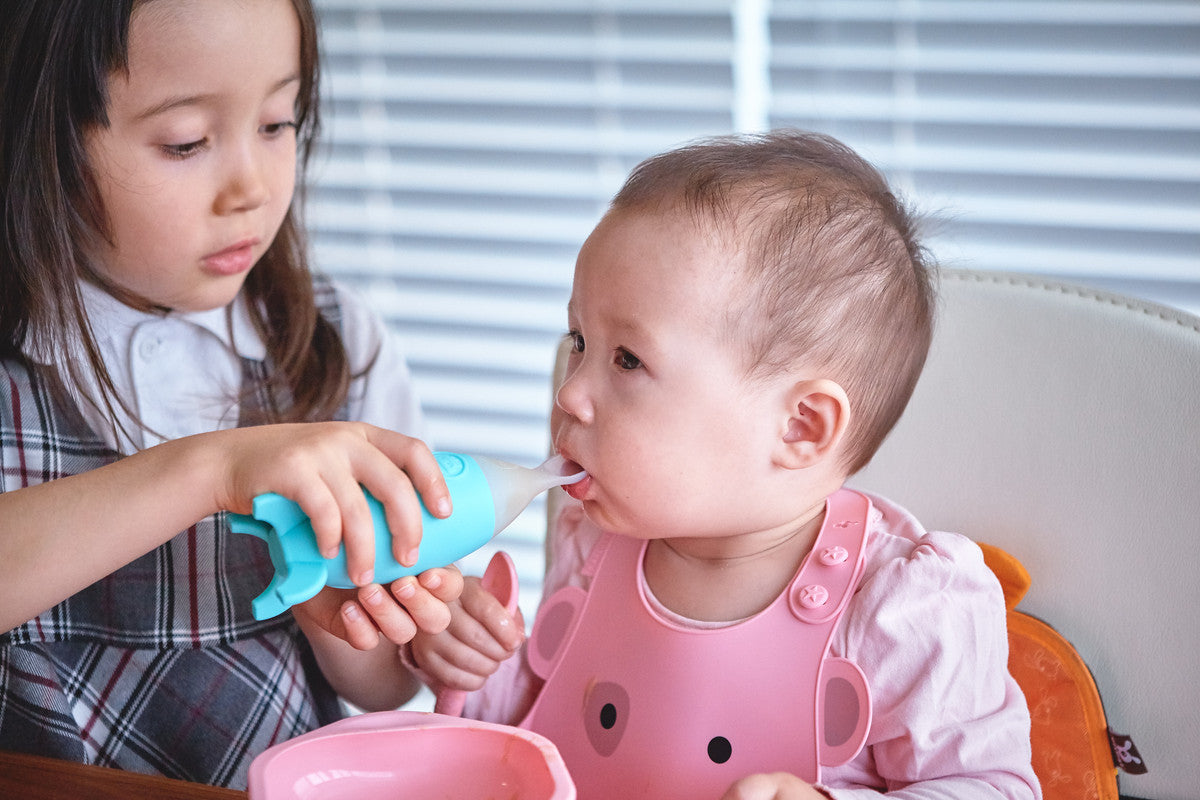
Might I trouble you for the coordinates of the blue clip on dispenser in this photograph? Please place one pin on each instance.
(487, 495)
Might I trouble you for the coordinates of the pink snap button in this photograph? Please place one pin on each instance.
(833, 555)
(814, 595)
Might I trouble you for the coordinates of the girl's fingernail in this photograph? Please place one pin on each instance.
(406, 591)
(330, 552)
(365, 577)
(443, 506)
(410, 558)
(351, 612)
(374, 598)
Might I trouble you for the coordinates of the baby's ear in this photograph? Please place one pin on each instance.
(817, 413)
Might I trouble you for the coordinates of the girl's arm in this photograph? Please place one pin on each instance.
(59, 537)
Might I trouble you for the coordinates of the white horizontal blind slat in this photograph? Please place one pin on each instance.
(1055, 137)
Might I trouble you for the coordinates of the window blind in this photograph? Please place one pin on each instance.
(1060, 138)
(471, 145)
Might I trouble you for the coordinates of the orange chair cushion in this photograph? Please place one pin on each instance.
(1072, 755)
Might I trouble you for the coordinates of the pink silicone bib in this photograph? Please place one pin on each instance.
(639, 707)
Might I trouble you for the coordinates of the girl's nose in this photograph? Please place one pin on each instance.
(244, 183)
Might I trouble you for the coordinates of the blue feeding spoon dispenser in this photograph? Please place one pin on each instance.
(487, 495)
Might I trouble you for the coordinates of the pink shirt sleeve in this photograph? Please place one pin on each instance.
(928, 628)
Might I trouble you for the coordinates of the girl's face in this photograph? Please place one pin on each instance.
(197, 166)
(656, 404)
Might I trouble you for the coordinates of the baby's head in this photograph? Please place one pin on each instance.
(828, 274)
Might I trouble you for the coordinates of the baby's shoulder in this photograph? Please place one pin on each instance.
(903, 556)
(921, 594)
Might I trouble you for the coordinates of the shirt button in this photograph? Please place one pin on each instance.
(148, 348)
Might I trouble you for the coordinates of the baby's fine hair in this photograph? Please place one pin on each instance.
(56, 59)
(837, 280)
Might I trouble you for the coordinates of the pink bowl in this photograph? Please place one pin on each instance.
(412, 754)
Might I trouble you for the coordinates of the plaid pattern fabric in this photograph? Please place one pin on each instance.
(159, 667)
(191, 592)
(198, 714)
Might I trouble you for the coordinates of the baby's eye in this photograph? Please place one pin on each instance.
(576, 340)
(626, 360)
(185, 150)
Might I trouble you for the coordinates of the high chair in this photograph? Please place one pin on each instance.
(1061, 424)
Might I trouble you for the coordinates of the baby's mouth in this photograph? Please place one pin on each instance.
(579, 489)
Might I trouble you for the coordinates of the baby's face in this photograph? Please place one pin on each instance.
(655, 404)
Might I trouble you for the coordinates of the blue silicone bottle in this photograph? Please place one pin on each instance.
(487, 495)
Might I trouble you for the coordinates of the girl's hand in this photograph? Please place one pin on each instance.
(773, 786)
(320, 466)
(480, 636)
(397, 612)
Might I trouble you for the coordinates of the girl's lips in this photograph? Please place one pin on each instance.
(232, 260)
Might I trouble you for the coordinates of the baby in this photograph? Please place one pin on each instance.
(747, 323)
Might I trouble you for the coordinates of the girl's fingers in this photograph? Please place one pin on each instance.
(324, 513)
(389, 618)
(444, 583)
(403, 509)
(370, 467)
(359, 628)
(357, 531)
(429, 614)
(324, 467)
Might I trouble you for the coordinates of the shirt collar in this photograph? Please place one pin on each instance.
(112, 320)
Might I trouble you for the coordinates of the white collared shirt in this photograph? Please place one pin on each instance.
(181, 372)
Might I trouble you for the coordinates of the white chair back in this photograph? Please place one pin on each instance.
(1063, 425)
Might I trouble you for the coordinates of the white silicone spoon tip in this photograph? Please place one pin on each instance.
(513, 487)
(561, 469)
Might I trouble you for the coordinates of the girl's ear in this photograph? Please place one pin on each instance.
(817, 414)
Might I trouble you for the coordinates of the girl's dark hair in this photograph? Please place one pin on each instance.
(56, 57)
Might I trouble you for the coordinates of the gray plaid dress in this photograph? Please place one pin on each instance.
(158, 667)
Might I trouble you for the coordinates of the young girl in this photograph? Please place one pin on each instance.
(156, 310)
(747, 323)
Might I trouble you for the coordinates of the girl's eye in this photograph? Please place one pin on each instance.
(576, 340)
(627, 360)
(186, 149)
(278, 128)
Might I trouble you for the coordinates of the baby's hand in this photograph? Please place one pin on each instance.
(773, 786)
(480, 636)
(397, 612)
(320, 466)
